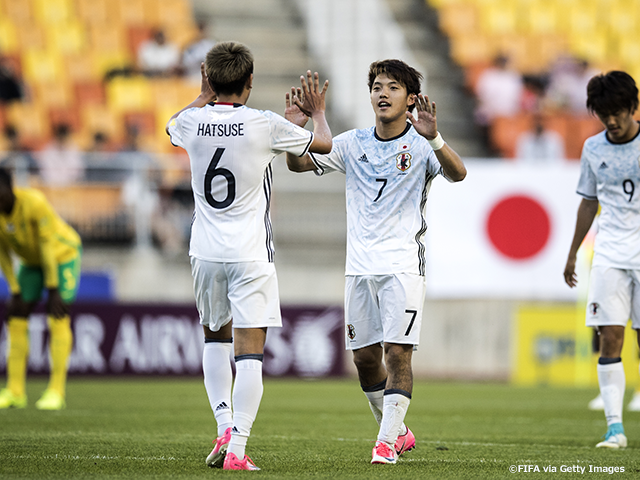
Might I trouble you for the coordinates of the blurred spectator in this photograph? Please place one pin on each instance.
(568, 85)
(60, 161)
(533, 92)
(11, 85)
(141, 195)
(101, 162)
(194, 53)
(157, 56)
(498, 91)
(540, 145)
(17, 158)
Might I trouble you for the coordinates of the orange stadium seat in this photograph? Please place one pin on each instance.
(94, 12)
(98, 118)
(458, 18)
(31, 120)
(18, 11)
(89, 92)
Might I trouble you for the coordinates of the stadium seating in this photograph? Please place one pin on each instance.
(64, 49)
(534, 34)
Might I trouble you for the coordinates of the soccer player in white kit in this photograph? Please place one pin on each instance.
(389, 169)
(609, 177)
(230, 149)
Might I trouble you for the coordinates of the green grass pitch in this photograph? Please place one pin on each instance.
(163, 428)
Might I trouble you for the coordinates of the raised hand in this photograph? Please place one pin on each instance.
(425, 123)
(292, 112)
(312, 100)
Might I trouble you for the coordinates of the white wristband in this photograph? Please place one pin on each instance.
(437, 143)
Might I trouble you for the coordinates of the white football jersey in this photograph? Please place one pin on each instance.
(230, 150)
(610, 173)
(387, 183)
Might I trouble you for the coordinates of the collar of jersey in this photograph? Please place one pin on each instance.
(406, 129)
(235, 105)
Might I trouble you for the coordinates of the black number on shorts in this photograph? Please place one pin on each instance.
(413, 319)
(628, 187)
(384, 184)
(213, 172)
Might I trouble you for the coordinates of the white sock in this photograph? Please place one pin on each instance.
(393, 413)
(612, 384)
(247, 393)
(218, 377)
(376, 404)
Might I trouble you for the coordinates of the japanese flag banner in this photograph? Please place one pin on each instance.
(503, 232)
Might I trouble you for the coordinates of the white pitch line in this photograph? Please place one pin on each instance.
(90, 457)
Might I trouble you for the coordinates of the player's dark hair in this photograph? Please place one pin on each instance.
(5, 178)
(228, 66)
(612, 92)
(402, 73)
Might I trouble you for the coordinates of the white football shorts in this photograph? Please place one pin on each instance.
(383, 308)
(246, 292)
(614, 297)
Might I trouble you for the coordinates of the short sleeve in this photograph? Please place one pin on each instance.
(587, 184)
(334, 161)
(288, 137)
(175, 131)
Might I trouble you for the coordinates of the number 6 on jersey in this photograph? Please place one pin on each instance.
(213, 172)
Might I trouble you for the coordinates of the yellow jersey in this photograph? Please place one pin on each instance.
(38, 236)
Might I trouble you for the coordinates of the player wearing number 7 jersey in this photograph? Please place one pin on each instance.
(609, 179)
(389, 169)
(230, 149)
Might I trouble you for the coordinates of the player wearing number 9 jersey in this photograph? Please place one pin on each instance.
(389, 169)
(609, 179)
(231, 147)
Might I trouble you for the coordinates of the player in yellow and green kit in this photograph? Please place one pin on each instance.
(49, 252)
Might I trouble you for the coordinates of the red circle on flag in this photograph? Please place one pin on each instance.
(518, 227)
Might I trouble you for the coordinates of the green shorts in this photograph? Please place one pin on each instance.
(31, 280)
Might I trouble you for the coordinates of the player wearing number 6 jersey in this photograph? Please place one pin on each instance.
(230, 149)
(389, 169)
(610, 179)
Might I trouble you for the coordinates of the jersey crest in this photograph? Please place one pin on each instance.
(403, 161)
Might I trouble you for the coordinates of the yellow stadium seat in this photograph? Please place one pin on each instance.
(42, 66)
(47, 12)
(69, 37)
(623, 18)
(9, 42)
(498, 18)
(103, 62)
(591, 45)
(541, 17)
(129, 94)
(629, 51)
(583, 18)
